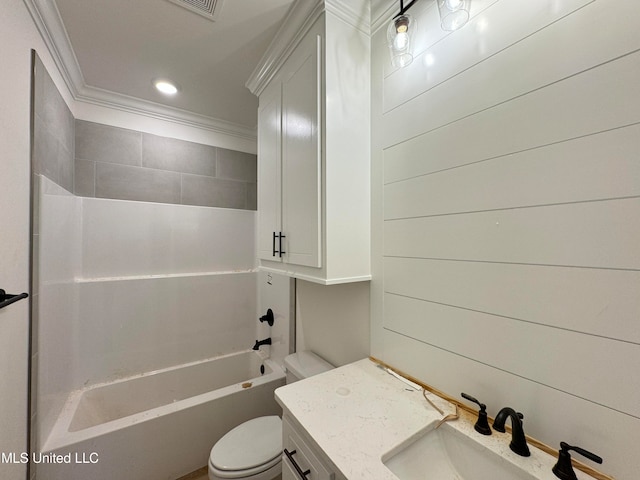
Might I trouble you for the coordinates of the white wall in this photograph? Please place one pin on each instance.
(124, 238)
(129, 326)
(277, 293)
(17, 37)
(505, 197)
(162, 285)
(333, 320)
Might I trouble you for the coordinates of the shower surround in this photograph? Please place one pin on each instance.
(131, 287)
(151, 268)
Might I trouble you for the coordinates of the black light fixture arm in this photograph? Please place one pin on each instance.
(404, 8)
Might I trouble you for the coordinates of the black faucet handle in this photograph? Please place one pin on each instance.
(474, 400)
(585, 453)
(563, 468)
(268, 317)
(482, 424)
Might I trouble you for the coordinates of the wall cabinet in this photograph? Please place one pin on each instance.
(313, 150)
(289, 222)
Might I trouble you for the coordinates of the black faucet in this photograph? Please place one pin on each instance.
(518, 441)
(266, 341)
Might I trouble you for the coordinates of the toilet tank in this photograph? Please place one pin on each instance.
(304, 364)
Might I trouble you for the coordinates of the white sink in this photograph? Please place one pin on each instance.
(447, 454)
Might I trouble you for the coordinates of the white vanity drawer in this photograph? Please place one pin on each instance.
(310, 467)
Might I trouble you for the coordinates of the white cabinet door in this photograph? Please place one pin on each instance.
(269, 164)
(301, 156)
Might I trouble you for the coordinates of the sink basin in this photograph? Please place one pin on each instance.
(447, 454)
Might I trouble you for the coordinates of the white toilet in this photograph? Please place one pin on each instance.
(253, 449)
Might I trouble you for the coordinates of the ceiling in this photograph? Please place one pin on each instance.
(122, 45)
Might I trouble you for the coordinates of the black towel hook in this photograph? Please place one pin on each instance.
(7, 299)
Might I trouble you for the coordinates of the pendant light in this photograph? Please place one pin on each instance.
(399, 36)
(453, 13)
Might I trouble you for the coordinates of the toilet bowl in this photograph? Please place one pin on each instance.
(253, 449)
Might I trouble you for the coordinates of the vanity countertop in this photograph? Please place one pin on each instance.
(359, 412)
(356, 413)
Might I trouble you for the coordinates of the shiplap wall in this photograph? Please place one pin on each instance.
(506, 199)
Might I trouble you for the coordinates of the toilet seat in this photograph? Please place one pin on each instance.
(249, 449)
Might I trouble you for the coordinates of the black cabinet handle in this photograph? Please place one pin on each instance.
(281, 252)
(7, 299)
(303, 475)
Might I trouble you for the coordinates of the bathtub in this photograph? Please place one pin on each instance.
(158, 425)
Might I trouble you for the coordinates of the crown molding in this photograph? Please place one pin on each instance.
(296, 24)
(47, 18)
(355, 13)
(125, 103)
(298, 21)
(49, 23)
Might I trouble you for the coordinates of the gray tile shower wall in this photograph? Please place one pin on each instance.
(126, 164)
(53, 131)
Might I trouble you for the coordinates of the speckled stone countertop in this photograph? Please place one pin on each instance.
(359, 415)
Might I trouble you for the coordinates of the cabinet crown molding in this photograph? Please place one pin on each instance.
(296, 24)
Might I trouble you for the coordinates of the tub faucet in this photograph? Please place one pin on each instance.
(266, 341)
(518, 441)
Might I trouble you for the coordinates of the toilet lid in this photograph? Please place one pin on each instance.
(249, 445)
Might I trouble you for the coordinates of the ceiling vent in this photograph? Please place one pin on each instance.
(207, 8)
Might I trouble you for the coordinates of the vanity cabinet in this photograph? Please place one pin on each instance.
(313, 147)
(301, 461)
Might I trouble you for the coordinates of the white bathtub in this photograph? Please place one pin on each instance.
(159, 425)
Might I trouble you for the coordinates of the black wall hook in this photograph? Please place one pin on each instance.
(7, 299)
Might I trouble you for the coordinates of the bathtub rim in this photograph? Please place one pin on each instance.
(61, 437)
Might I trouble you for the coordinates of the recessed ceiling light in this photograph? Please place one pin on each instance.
(165, 87)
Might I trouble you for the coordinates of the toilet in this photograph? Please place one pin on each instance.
(253, 449)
